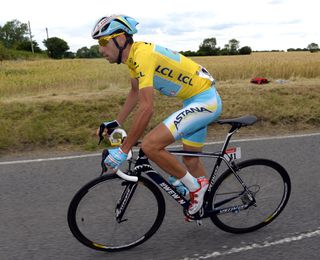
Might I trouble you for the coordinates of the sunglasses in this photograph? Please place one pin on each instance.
(104, 40)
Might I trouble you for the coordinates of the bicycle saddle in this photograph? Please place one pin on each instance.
(239, 121)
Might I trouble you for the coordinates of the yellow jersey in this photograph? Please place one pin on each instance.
(167, 71)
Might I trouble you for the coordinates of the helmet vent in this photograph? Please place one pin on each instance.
(104, 28)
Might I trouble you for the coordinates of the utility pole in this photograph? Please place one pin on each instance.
(30, 37)
(47, 33)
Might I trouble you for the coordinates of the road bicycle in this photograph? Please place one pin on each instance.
(121, 210)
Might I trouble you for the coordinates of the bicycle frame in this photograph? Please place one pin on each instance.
(141, 184)
(142, 166)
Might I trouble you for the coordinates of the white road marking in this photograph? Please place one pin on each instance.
(252, 246)
(175, 146)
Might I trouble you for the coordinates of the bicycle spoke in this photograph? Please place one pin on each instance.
(93, 218)
(267, 183)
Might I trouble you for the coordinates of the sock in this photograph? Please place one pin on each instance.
(190, 182)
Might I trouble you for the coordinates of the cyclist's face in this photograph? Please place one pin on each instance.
(110, 51)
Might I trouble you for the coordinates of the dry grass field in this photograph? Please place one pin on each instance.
(57, 104)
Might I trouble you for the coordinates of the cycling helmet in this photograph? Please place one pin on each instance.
(109, 25)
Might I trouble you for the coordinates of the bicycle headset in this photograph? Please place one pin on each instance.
(109, 25)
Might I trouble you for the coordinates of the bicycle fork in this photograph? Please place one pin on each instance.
(124, 200)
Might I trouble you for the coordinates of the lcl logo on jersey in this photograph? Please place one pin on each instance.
(170, 74)
(140, 75)
(184, 113)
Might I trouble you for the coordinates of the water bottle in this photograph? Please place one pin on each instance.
(181, 189)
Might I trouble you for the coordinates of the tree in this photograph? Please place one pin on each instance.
(69, 55)
(208, 47)
(233, 46)
(83, 53)
(4, 52)
(26, 46)
(313, 47)
(189, 53)
(225, 50)
(13, 33)
(246, 50)
(56, 47)
(94, 51)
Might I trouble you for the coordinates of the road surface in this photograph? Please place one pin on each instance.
(35, 195)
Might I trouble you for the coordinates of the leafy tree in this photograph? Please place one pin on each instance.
(13, 33)
(208, 47)
(298, 49)
(4, 52)
(233, 46)
(189, 53)
(69, 55)
(94, 51)
(56, 47)
(82, 52)
(246, 50)
(225, 50)
(313, 47)
(26, 46)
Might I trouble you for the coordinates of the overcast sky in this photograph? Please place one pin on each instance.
(176, 24)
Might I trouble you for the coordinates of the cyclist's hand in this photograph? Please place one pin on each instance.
(115, 158)
(109, 127)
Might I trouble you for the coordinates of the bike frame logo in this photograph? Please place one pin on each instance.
(186, 112)
(172, 193)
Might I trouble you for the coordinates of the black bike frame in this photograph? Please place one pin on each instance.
(142, 166)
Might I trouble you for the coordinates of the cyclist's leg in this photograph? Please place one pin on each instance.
(192, 144)
(154, 145)
(189, 123)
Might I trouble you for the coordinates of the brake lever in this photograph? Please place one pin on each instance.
(101, 130)
(104, 168)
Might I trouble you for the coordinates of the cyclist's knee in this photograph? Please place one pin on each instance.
(147, 148)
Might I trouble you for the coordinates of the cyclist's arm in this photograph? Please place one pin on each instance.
(141, 118)
(130, 102)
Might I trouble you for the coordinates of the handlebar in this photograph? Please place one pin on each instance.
(126, 177)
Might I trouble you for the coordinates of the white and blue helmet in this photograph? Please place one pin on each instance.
(109, 25)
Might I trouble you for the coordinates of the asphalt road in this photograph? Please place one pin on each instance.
(35, 196)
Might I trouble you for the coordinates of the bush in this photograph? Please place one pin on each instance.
(246, 50)
(56, 47)
(4, 52)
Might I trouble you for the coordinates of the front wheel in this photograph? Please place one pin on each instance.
(242, 211)
(94, 218)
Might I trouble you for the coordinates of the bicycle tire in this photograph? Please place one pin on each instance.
(271, 186)
(96, 201)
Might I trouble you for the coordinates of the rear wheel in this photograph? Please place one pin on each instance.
(92, 214)
(269, 185)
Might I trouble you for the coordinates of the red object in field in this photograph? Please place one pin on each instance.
(259, 81)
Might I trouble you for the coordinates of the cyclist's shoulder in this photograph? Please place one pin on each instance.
(142, 48)
(142, 55)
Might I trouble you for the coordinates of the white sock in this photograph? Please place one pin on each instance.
(190, 182)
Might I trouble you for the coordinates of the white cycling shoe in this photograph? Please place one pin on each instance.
(196, 197)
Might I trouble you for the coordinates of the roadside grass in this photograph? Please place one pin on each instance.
(58, 105)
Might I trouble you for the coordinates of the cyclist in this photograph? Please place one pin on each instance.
(154, 67)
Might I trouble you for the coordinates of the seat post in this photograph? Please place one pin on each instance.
(234, 128)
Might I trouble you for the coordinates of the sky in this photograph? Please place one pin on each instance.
(175, 24)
